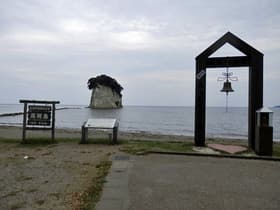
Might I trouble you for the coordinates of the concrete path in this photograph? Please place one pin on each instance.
(115, 194)
(186, 182)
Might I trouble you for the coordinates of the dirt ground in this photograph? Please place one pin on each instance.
(51, 176)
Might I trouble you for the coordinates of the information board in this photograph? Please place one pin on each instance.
(39, 115)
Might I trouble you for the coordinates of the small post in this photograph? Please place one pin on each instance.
(24, 122)
(115, 135)
(84, 134)
(53, 122)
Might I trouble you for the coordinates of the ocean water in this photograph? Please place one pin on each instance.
(154, 119)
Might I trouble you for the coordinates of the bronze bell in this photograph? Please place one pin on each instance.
(227, 87)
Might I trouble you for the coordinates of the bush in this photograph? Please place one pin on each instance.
(105, 81)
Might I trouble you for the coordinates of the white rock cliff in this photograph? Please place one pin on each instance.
(104, 97)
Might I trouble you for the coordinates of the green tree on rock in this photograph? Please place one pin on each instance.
(105, 81)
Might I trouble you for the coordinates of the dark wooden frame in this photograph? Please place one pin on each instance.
(24, 124)
(253, 59)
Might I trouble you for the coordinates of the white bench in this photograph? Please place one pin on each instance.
(100, 124)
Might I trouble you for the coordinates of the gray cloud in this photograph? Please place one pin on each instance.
(50, 48)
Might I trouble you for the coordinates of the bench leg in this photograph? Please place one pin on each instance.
(115, 135)
(84, 135)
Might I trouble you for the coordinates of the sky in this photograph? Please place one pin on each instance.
(49, 49)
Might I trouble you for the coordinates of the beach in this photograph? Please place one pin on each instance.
(58, 175)
(47, 176)
(13, 132)
(52, 176)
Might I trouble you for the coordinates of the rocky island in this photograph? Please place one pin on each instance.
(106, 93)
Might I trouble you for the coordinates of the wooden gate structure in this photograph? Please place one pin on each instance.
(252, 59)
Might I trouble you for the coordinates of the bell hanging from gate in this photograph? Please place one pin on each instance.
(227, 87)
(227, 77)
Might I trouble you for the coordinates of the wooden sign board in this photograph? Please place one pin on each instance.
(38, 115)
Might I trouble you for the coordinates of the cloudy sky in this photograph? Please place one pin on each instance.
(49, 49)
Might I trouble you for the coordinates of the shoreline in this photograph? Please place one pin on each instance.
(15, 132)
(139, 132)
(172, 128)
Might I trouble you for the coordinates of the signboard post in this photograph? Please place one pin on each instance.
(38, 115)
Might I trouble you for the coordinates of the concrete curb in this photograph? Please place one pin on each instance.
(267, 158)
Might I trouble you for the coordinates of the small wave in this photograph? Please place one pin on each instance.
(11, 124)
(63, 108)
(11, 114)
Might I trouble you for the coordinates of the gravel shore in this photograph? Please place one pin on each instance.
(12, 132)
(47, 176)
(54, 176)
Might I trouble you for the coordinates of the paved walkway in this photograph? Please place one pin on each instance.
(186, 182)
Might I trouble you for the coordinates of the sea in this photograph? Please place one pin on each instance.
(169, 120)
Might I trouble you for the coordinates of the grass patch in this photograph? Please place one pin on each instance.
(141, 147)
(38, 141)
(136, 147)
(129, 146)
(13, 193)
(93, 193)
(33, 190)
(18, 205)
(9, 141)
(30, 141)
(99, 140)
(40, 202)
(46, 141)
(23, 178)
(276, 150)
(56, 195)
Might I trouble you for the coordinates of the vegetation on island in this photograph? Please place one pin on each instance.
(105, 81)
